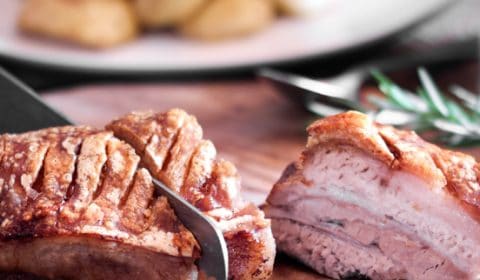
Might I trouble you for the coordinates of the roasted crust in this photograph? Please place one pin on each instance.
(200, 171)
(180, 154)
(351, 128)
(252, 252)
(92, 157)
(136, 129)
(454, 172)
(75, 181)
(174, 152)
(120, 169)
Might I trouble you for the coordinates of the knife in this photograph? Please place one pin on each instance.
(22, 110)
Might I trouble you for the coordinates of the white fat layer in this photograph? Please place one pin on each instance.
(235, 223)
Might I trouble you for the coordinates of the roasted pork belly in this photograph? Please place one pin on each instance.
(369, 200)
(171, 147)
(79, 203)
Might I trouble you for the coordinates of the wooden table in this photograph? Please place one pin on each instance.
(251, 125)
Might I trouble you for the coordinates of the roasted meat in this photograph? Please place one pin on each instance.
(79, 203)
(369, 200)
(170, 146)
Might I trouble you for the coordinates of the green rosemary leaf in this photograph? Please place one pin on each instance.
(469, 99)
(465, 95)
(451, 127)
(455, 124)
(432, 92)
(399, 96)
(418, 102)
(395, 117)
(379, 76)
(457, 114)
(424, 96)
(394, 93)
(381, 102)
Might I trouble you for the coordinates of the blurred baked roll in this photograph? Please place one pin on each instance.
(160, 13)
(92, 23)
(220, 19)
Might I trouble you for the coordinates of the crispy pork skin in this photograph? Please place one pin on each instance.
(369, 200)
(75, 204)
(171, 147)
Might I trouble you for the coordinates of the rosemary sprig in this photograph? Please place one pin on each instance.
(454, 123)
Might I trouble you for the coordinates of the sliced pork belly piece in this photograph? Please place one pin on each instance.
(176, 154)
(157, 151)
(76, 206)
(165, 141)
(370, 200)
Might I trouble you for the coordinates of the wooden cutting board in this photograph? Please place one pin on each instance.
(250, 125)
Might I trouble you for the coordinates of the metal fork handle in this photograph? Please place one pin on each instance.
(458, 50)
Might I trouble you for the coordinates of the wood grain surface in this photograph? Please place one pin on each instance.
(258, 130)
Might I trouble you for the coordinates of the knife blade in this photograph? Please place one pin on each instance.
(22, 110)
(214, 259)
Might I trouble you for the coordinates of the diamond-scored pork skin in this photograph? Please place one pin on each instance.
(370, 200)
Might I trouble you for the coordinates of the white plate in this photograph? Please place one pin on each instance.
(340, 25)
